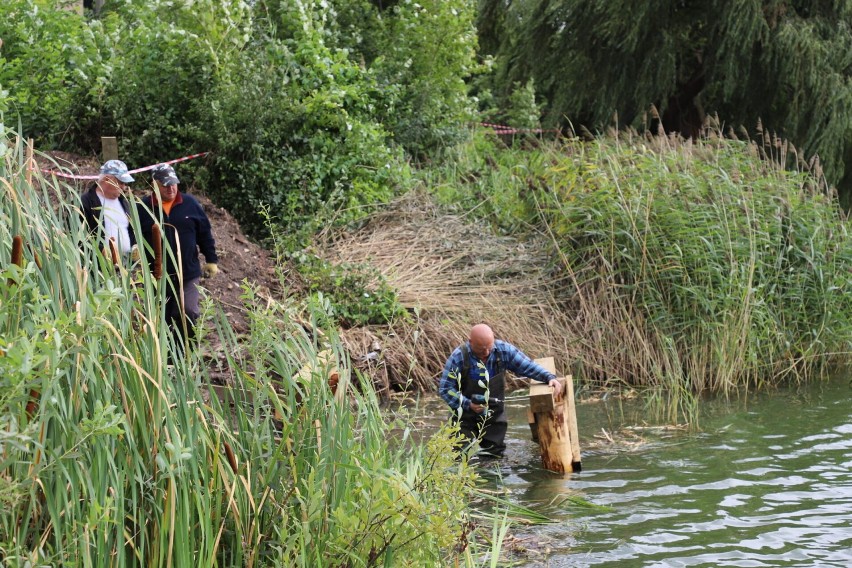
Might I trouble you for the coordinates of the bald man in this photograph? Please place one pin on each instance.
(478, 368)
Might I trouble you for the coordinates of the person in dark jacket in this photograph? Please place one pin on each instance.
(473, 385)
(185, 230)
(107, 211)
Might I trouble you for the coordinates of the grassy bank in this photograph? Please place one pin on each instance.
(113, 449)
(687, 267)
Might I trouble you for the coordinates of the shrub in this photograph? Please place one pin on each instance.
(358, 294)
(48, 58)
(295, 135)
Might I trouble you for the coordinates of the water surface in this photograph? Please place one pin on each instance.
(767, 481)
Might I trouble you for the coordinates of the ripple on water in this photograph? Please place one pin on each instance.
(770, 486)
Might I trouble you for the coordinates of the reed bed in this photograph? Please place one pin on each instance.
(685, 266)
(115, 451)
(699, 266)
(450, 271)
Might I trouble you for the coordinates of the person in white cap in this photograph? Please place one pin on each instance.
(107, 211)
(186, 229)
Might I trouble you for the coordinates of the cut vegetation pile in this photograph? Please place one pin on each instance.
(450, 271)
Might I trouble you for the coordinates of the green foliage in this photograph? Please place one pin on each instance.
(427, 52)
(47, 57)
(420, 54)
(114, 445)
(294, 133)
(484, 176)
(357, 293)
(523, 111)
(784, 62)
(155, 71)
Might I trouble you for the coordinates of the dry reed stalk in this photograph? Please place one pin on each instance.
(453, 273)
(30, 163)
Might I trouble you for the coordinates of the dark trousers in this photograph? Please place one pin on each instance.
(490, 431)
(175, 312)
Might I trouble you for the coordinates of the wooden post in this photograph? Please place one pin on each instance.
(556, 423)
(109, 148)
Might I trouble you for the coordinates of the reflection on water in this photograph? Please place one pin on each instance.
(767, 482)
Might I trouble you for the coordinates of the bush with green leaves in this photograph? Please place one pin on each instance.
(421, 55)
(295, 134)
(48, 58)
(429, 53)
(157, 69)
(357, 293)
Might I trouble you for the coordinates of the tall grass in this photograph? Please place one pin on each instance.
(115, 451)
(688, 267)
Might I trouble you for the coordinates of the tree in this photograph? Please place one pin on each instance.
(786, 63)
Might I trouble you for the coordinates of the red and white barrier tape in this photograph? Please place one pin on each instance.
(503, 129)
(136, 171)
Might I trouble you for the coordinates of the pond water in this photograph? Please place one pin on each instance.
(767, 481)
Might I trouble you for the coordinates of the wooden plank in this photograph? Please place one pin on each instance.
(109, 148)
(533, 425)
(573, 430)
(548, 363)
(552, 426)
(541, 399)
(541, 395)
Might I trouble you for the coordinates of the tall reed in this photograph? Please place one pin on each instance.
(686, 266)
(130, 459)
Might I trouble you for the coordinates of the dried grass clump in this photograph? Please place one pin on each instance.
(450, 271)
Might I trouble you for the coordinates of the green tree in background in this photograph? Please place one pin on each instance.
(307, 108)
(422, 55)
(786, 63)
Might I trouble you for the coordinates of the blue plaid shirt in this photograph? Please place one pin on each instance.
(513, 360)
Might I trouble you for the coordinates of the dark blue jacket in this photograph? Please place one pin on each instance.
(185, 225)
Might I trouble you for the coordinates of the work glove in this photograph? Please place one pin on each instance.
(134, 254)
(210, 270)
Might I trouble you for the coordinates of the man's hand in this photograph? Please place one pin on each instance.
(210, 270)
(557, 388)
(134, 254)
(477, 408)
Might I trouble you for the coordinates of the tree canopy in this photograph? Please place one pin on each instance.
(787, 63)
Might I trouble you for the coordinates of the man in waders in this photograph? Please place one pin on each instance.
(473, 385)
